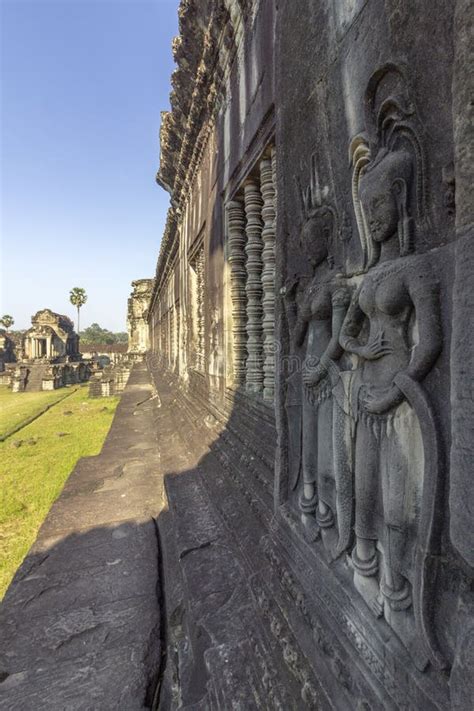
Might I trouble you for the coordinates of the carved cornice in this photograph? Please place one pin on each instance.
(168, 249)
(203, 52)
(205, 46)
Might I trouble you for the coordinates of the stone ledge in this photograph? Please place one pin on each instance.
(80, 623)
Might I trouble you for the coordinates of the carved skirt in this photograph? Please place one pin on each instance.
(317, 440)
(389, 466)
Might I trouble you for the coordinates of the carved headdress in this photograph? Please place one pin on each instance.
(391, 139)
(314, 201)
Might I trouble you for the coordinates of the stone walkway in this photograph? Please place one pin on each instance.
(243, 605)
(80, 624)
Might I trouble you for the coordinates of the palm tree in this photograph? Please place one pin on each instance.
(78, 298)
(7, 321)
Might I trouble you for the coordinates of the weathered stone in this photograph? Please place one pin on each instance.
(310, 335)
(137, 317)
(48, 356)
(340, 318)
(51, 336)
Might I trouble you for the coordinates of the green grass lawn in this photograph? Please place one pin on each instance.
(33, 474)
(15, 408)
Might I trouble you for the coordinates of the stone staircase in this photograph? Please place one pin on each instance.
(35, 377)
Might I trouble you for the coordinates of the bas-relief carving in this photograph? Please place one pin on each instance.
(393, 327)
(363, 434)
(320, 311)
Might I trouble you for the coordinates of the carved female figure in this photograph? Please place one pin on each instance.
(320, 316)
(393, 326)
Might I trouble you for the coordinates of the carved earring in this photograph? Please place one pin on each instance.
(405, 222)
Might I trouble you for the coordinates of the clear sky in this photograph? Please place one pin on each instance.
(83, 84)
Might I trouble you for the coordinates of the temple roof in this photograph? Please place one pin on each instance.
(58, 322)
(46, 317)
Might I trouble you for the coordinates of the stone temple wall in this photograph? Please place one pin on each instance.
(199, 270)
(313, 296)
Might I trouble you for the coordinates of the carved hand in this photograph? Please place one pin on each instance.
(291, 287)
(378, 406)
(377, 348)
(313, 375)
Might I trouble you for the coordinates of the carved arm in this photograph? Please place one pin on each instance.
(297, 312)
(340, 301)
(425, 297)
(352, 326)
(300, 329)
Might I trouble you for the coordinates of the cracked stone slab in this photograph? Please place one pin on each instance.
(70, 634)
(114, 679)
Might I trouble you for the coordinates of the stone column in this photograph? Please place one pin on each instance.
(237, 258)
(253, 249)
(268, 276)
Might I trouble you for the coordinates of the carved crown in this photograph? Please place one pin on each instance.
(391, 132)
(314, 199)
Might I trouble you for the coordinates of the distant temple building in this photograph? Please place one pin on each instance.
(48, 357)
(51, 337)
(137, 317)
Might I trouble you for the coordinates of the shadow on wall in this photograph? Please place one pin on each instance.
(215, 565)
(249, 609)
(243, 582)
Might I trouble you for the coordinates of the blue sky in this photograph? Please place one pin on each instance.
(83, 84)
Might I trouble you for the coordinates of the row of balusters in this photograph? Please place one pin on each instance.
(251, 229)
